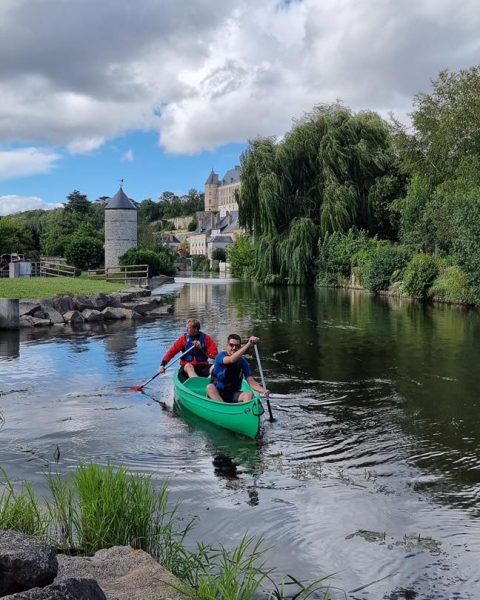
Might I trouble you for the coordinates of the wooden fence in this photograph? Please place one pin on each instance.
(128, 274)
(47, 269)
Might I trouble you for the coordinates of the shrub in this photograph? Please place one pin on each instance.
(201, 263)
(161, 262)
(192, 225)
(451, 285)
(380, 264)
(419, 275)
(84, 252)
(336, 252)
(241, 256)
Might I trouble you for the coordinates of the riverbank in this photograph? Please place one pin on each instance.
(77, 308)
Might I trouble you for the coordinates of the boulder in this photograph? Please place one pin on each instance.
(100, 301)
(55, 317)
(68, 589)
(123, 574)
(25, 562)
(40, 322)
(28, 307)
(91, 315)
(112, 313)
(143, 306)
(63, 304)
(26, 321)
(73, 316)
(120, 297)
(161, 310)
(82, 302)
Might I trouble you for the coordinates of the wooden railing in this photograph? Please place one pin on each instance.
(128, 274)
(55, 269)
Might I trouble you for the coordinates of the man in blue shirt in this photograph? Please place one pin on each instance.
(229, 369)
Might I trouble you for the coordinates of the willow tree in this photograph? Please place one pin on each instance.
(332, 171)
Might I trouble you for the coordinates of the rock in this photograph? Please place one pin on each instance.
(73, 316)
(39, 322)
(161, 311)
(51, 312)
(26, 321)
(100, 301)
(82, 302)
(63, 304)
(28, 307)
(123, 574)
(120, 297)
(143, 306)
(68, 589)
(40, 313)
(112, 313)
(91, 315)
(25, 562)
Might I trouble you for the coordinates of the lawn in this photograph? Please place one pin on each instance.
(48, 287)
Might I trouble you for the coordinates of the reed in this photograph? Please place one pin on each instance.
(99, 507)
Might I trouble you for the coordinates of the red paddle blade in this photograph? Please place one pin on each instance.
(137, 388)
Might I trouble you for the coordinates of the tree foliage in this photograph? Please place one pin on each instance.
(161, 262)
(84, 252)
(15, 236)
(334, 170)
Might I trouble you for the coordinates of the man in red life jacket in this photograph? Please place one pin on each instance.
(195, 363)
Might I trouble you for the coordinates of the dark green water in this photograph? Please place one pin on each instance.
(371, 470)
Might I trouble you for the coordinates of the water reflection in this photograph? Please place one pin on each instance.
(9, 344)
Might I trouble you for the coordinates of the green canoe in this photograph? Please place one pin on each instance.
(241, 417)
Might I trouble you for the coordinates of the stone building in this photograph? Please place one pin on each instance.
(120, 227)
(222, 195)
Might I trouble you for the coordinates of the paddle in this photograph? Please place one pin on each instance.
(257, 354)
(139, 388)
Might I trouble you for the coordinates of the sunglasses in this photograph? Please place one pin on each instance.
(234, 345)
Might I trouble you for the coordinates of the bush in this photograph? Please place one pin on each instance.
(192, 225)
(419, 275)
(201, 263)
(84, 252)
(381, 264)
(451, 285)
(161, 262)
(336, 253)
(241, 256)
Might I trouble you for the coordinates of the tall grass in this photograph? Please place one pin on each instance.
(103, 507)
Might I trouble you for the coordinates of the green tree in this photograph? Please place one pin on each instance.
(161, 262)
(446, 125)
(15, 236)
(334, 170)
(78, 203)
(84, 252)
(241, 255)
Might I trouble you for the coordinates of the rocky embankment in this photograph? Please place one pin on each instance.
(32, 570)
(75, 310)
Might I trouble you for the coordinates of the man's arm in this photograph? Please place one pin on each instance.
(171, 352)
(257, 387)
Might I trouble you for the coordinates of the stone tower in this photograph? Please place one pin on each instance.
(120, 227)
(211, 192)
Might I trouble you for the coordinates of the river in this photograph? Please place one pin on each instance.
(371, 470)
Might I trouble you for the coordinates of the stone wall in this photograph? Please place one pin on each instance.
(120, 234)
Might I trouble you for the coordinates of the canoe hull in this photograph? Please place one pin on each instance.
(240, 417)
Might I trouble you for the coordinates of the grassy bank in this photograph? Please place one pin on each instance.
(48, 287)
(102, 507)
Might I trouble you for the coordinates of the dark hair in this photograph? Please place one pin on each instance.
(234, 336)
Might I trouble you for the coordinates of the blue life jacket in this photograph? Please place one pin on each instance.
(199, 354)
(228, 378)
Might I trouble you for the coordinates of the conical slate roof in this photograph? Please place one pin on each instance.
(212, 178)
(120, 200)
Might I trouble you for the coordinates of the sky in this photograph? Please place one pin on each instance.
(159, 92)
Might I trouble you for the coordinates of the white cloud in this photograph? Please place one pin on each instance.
(26, 161)
(209, 72)
(128, 156)
(12, 204)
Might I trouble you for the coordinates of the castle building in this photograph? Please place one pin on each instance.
(222, 195)
(120, 227)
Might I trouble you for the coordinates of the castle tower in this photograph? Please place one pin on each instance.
(211, 192)
(120, 227)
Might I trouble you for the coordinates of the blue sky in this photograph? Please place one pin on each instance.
(159, 93)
